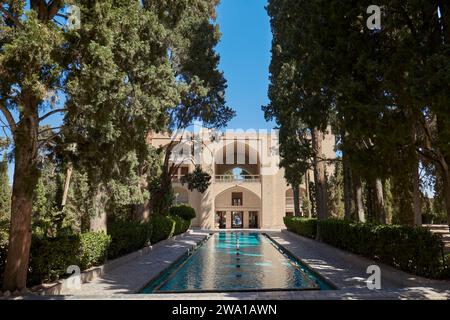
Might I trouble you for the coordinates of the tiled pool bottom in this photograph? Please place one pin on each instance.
(236, 261)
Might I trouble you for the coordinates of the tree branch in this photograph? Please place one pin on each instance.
(43, 142)
(10, 16)
(53, 8)
(9, 117)
(51, 113)
(49, 129)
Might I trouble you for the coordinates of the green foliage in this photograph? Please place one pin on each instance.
(5, 191)
(446, 271)
(414, 250)
(302, 226)
(336, 192)
(197, 180)
(328, 68)
(50, 257)
(48, 217)
(433, 209)
(306, 204)
(3, 255)
(94, 249)
(128, 236)
(4, 234)
(181, 225)
(79, 205)
(163, 228)
(183, 211)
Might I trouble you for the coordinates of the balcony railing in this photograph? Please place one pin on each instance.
(231, 178)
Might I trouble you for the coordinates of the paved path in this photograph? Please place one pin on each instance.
(132, 276)
(347, 271)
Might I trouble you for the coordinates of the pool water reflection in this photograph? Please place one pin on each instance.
(236, 261)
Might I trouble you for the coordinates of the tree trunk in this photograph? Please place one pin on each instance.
(416, 195)
(142, 212)
(319, 175)
(296, 190)
(308, 195)
(359, 204)
(379, 201)
(67, 185)
(347, 188)
(26, 175)
(98, 222)
(446, 189)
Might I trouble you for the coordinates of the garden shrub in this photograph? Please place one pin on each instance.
(128, 236)
(414, 250)
(163, 228)
(94, 247)
(3, 254)
(183, 211)
(181, 225)
(4, 224)
(50, 257)
(303, 226)
(446, 269)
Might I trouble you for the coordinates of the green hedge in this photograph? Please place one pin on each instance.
(128, 236)
(303, 226)
(163, 228)
(50, 257)
(183, 211)
(414, 250)
(3, 253)
(181, 225)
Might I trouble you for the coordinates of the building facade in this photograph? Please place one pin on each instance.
(248, 189)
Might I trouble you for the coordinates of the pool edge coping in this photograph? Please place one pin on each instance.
(208, 235)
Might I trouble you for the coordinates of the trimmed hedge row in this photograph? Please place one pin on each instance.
(183, 211)
(303, 226)
(50, 257)
(414, 250)
(181, 225)
(163, 228)
(3, 253)
(128, 236)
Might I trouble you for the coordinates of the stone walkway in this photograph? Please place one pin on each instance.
(133, 276)
(348, 271)
(345, 270)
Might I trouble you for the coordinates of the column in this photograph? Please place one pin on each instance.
(228, 215)
(246, 222)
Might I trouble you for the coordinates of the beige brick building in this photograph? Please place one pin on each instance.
(248, 188)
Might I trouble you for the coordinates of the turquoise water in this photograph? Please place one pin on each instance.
(236, 261)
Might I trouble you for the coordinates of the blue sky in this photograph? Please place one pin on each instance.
(245, 58)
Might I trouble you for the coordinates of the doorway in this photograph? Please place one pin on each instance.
(237, 219)
(253, 219)
(221, 219)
